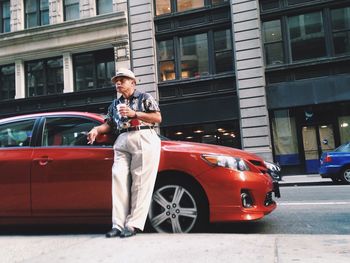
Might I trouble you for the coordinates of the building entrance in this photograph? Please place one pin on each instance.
(316, 139)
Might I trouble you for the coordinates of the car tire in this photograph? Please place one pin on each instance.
(178, 206)
(345, 175)
(336, 180)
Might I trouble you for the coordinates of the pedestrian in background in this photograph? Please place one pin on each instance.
(136, 154)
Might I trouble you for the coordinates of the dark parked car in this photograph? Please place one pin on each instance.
(336, 164)
(49, 174)
(274, 170)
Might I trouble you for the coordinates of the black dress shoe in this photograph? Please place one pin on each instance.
(128, 232)
(113, 233)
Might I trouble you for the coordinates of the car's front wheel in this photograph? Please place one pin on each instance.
(345, 175)
(177, 206)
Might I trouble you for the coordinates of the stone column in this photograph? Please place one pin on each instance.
(120, 5)
(143, 45)
(87, 8)
(68, 73)
(56, 11)
(250, 77)
(17, 15)
(20, 79)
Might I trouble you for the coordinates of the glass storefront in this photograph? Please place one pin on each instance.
(224, 133)
(301, 135)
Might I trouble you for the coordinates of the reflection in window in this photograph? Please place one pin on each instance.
(184, 5)
(223, 51)
(44, 77)
(307, 36)
(16, 134)
(194, 56)
(273, 44)
(219, 133)
(344, 129)
(104, 6)
(71, 10)
(67, 131)
(5, 16)
(218, 2)
(269, 4)
(36, 13)
(341, 30)
(163, 7)
(284, 138)
(166, 60)
(94, 70)
(7, 82)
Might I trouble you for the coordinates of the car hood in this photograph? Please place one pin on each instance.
(201, 148)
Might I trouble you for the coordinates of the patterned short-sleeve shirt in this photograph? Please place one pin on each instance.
(139, 101)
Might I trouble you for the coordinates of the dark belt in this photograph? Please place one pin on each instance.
(136, 128)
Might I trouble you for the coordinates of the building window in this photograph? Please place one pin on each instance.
(36, 12)
(223, 51)
(44, 77)
(344, 126)
(71, 10)
(273, 44)
(184, 5)
(7, 82)
(307, 36)
(341, 30)
(104, 6)
(194, 56)
(173, 6)
(94, 70)
(5, 16)
(285, 138)
(166, 60)
(220, 133)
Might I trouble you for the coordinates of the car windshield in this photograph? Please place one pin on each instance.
(343, 148)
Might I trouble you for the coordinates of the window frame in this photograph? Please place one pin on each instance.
(3, 88)
(38, 12)
(65, 6)
(98, 9)
(173, 4)
(96, 56)
(3, 19)
(211, 51)
(45, 77)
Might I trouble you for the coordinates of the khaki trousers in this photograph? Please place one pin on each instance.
(134, 171)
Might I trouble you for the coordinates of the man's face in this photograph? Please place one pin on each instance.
(124, 84)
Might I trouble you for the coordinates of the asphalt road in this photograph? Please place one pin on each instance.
(311, 224)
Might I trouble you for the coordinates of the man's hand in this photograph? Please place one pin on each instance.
(91, 136)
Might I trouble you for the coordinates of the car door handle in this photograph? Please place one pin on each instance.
(43, 160)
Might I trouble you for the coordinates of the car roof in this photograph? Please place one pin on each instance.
(95, 116)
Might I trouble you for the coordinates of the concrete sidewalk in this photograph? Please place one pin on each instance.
(305, 179)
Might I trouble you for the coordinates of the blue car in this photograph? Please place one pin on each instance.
(336, 164)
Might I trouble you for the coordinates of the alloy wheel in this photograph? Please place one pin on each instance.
(173, 210)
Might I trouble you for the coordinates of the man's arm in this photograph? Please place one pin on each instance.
(101, 129)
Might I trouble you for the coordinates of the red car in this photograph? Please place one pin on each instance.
(49, 174)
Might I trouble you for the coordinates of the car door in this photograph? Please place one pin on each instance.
(70, 177)
(15, 161)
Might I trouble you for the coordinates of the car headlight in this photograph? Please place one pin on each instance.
(229, 162)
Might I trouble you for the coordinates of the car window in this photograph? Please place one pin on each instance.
(66, 131)
(16, 134)
(343, 148)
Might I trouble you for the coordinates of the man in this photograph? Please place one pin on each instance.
(136, 154)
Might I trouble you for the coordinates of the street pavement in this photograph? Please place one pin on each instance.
(182, 248)
(306, 179)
